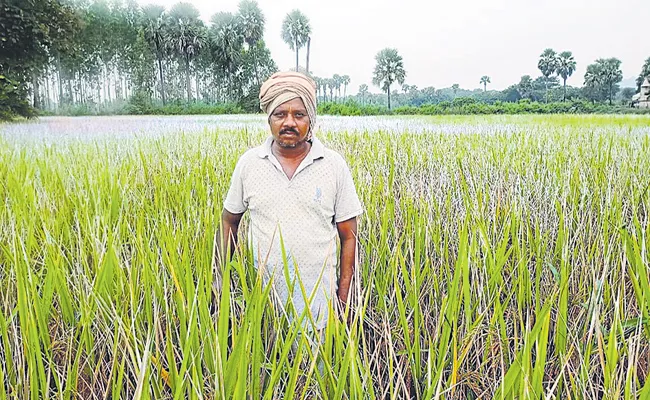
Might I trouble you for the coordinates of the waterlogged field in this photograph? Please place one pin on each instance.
(500, 257)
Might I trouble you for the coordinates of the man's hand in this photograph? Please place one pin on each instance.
(227, 236)
(348, 235)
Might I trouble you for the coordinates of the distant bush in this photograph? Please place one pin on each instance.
(142, 105)
(196, 109)
(350, 108)
(469, 106)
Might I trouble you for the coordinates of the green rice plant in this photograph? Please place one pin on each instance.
(500, 257)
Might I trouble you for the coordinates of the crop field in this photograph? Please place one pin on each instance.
(500, 257)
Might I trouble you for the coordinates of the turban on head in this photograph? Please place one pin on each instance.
(285, 86)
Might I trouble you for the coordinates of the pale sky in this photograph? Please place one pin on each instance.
(454, 41)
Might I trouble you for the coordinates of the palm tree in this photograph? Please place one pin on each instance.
(331, 84)
(389, 69)
(345, 80)
(645, 73)
(611, 74)
(525, 87)
(593, 79)
(296, 31)
(155, 32)
(318, 83)
(227, 38)
(308, 50)
(548, 65)
(251, 21)
(363, 91)
(336, 80)
(188, 36)
(484, 81)
(324, 83)
(566, 66)
(455, 88)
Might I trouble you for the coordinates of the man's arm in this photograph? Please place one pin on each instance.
(227, 236)
(348, 236)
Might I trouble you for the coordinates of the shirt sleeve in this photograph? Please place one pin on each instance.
(235, 202)
(347, 203)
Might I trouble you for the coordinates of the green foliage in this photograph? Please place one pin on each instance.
(602, 78)
(32, 30)
(13, 101)
(499, 258)
(470, 106)
(525, 87)
(645, 73)
(350, 108)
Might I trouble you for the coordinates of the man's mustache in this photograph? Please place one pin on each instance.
(289, 130)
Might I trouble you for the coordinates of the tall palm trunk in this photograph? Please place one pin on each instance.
(37, 103)
(257, 74)
(610, 93)
(187, 79)
(296, 55)
(564, 97)
(388, 91)
(59, 81)
(308, 46)
(546, 86)
(162, 81)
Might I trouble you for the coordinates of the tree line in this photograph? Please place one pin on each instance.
(93, 52)
(601, 83)
(96, 53)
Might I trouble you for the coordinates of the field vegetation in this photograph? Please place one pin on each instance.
(502, 257)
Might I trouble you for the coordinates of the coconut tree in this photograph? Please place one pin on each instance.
(548, 65)
(251, 22)
(484, 81)
(566, 66)
(389, 69)
(296, 31)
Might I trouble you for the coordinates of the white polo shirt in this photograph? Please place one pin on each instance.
(303, 211)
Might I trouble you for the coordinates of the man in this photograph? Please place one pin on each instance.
(300, 195)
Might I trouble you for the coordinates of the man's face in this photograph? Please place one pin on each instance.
(290, 123)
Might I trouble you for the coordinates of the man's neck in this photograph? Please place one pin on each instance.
(291, 153)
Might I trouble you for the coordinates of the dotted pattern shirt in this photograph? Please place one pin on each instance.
(298, 215)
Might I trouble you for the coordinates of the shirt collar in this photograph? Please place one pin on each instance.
(317, 149)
